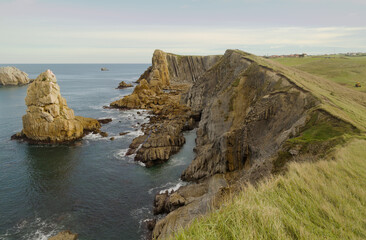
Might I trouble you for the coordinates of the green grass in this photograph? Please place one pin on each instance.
(347, 104)
(322, 200)
(340, 69)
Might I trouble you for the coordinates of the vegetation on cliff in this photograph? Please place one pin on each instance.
(345, 70)
(322, 200)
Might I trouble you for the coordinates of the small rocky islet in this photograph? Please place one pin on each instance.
(48, 119)
(12, 76)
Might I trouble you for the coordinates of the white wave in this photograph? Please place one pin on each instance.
(141, 163)
(93, 136)
(42, 230)
(140, 212)
(121, 154)
(136, 133)
(170, 187)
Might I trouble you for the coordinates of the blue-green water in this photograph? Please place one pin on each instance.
(92, 188)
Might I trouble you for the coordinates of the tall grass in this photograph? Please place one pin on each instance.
(322, 200)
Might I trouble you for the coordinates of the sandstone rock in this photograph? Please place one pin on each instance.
(244, 109)
(123, 85)
(12, 76)
(48, 118)
(105, 120)
(65, 235)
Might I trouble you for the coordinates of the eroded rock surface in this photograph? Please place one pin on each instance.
(123, 85)
(65, 235)
(11, 76)
(248, 111)
(48, 118)
(162, 88)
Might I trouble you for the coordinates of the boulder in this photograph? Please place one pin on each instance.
(48, 118)
(65, 235)
(123, 85)
(12, 76)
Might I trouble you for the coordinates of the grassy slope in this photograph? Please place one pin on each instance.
(322, 200)
(340, 69)
(343, 103)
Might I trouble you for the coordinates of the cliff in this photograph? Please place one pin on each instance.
(255, 116)
(48, 118)
(11, 76)
(162, 88)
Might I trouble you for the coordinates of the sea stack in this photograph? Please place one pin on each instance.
(48, 118)
(11, 76)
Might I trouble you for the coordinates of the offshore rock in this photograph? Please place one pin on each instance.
(11, 76)
(123, 85)
(65, 235)
(48, 118)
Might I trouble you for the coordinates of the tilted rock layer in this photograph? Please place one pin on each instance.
(12, 76)
(48, 118)
(248, 111)
(162, 88)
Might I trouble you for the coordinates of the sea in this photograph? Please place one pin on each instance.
(90, 188)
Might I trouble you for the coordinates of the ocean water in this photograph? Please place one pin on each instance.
(90, 188)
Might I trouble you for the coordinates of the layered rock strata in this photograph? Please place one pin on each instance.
(248, 112)
(48, 118)
(11, 76)
(161, 89)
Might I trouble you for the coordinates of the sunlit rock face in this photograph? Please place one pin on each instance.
(48, 118)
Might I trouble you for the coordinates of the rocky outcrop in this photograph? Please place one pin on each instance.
(11, 76)
(48, 118)
(65, 235)
(161, 89)
(248, 111)
(123, 85)
(172, 68)
(187, 203)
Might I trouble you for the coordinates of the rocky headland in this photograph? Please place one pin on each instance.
(11, 76)
(253, 116)
(162, 89)
(48, 118)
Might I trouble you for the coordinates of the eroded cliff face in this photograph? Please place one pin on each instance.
(162, 88)
(48, 118)
(172, 68)
(248, 111)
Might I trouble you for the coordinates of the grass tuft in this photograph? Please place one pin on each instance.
(322, 200)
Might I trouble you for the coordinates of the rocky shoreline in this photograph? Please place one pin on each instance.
(244, 111)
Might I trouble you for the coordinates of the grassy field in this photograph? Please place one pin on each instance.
(322, 200)
(338, 68)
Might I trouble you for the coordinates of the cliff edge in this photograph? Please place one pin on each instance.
(254, 116)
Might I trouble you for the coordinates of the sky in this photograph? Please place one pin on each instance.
(116, 31)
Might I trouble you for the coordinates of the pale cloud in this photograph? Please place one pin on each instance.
(135, 44)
